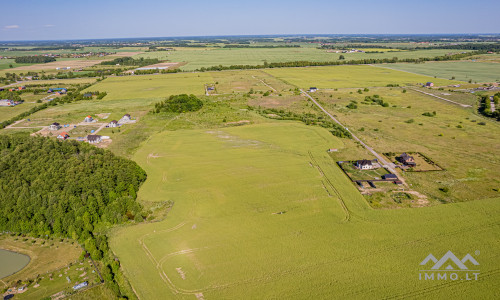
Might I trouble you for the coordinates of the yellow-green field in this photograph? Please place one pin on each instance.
(150, 86)
(257, 214)
(350, 76)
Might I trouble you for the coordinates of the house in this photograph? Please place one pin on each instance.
(210, 88)
(429, 84)
(63, 136)
(88, 119)
(94, 138)
(406, 160)
(390, 177)
(87, 95)
(126, 117)
(113, 123)
(364, 164)
(313, 89)
(54, 126)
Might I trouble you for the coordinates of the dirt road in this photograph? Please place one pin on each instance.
(432, 95)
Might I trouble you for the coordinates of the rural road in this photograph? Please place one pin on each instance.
(492, 104)
(265, 83)
(380, 158)
(432, 95)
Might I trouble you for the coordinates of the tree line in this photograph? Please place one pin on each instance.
(33, 59)
(50, 188)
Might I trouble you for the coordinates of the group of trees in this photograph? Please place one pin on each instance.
(129, 61)
(485, 107)
(340, 62)
(50, 188)
(179, 104)
(375, 99)
(33, 59)
(308, 119)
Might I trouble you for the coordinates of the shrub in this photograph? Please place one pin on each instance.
(179, 104)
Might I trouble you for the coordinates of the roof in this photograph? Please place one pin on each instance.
(64, 133)
(56, 124)
(127, 115)
(313, 88)
(114, 121)
(364, 162)
(406, 156)
(390, 176)
(93, 137)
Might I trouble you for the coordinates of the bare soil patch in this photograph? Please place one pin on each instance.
(73, 64)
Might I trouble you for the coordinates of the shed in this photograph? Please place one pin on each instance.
(390, 177)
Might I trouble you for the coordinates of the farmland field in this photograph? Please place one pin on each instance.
(349, 76)
(256, 210)
(207, 57)
(150, 86)
(7, 113)
(463, 70)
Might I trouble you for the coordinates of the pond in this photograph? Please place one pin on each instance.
(11, 262)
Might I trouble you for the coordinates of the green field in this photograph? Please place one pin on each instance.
(225, 239)
(463, 70)
(6, 113)
(207, 57)
(150, 86)
(349, 76)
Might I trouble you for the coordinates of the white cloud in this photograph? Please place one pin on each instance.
(49, 25)
(11, 26)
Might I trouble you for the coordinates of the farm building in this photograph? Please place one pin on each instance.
(94, 138)
(406, 160)
(390, 177)
(364, 164)
(88, 119)
(313, 89)
(429, 84)
(63, 136)
(113, 123)
(54, 126)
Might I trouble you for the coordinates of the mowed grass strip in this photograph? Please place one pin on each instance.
(358, 76)
(150, 86)
(224, 238)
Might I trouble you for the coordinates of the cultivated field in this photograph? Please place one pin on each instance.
(257, 209)
(349, 76)
(73, 64)
(463, 70)
(207, 57)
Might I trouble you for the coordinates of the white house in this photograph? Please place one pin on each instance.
(54, 126)
(94, 139)
(364, 164)
(88, 119)
(113, 123)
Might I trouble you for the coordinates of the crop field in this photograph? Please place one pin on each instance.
(6, 63)
(463, 70)
(349, 76)
(60, 63)
(263, 209)
(207, 57)
(151, 86)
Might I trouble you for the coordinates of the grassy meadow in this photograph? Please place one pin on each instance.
(263, 209)
(150, 86)
(349, 76)
(461, 70)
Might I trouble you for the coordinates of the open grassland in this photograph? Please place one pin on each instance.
(6, 63)
(6, 112)
(462, 70)
(453, 138)
(225, 236)
(349, 76)
(207, 57)
(150, 86)
(60, 63)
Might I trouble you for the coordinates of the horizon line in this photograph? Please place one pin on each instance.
(254, 35)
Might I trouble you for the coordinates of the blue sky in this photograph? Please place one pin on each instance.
(69, 19)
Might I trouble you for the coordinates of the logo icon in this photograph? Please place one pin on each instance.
(449, 267)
